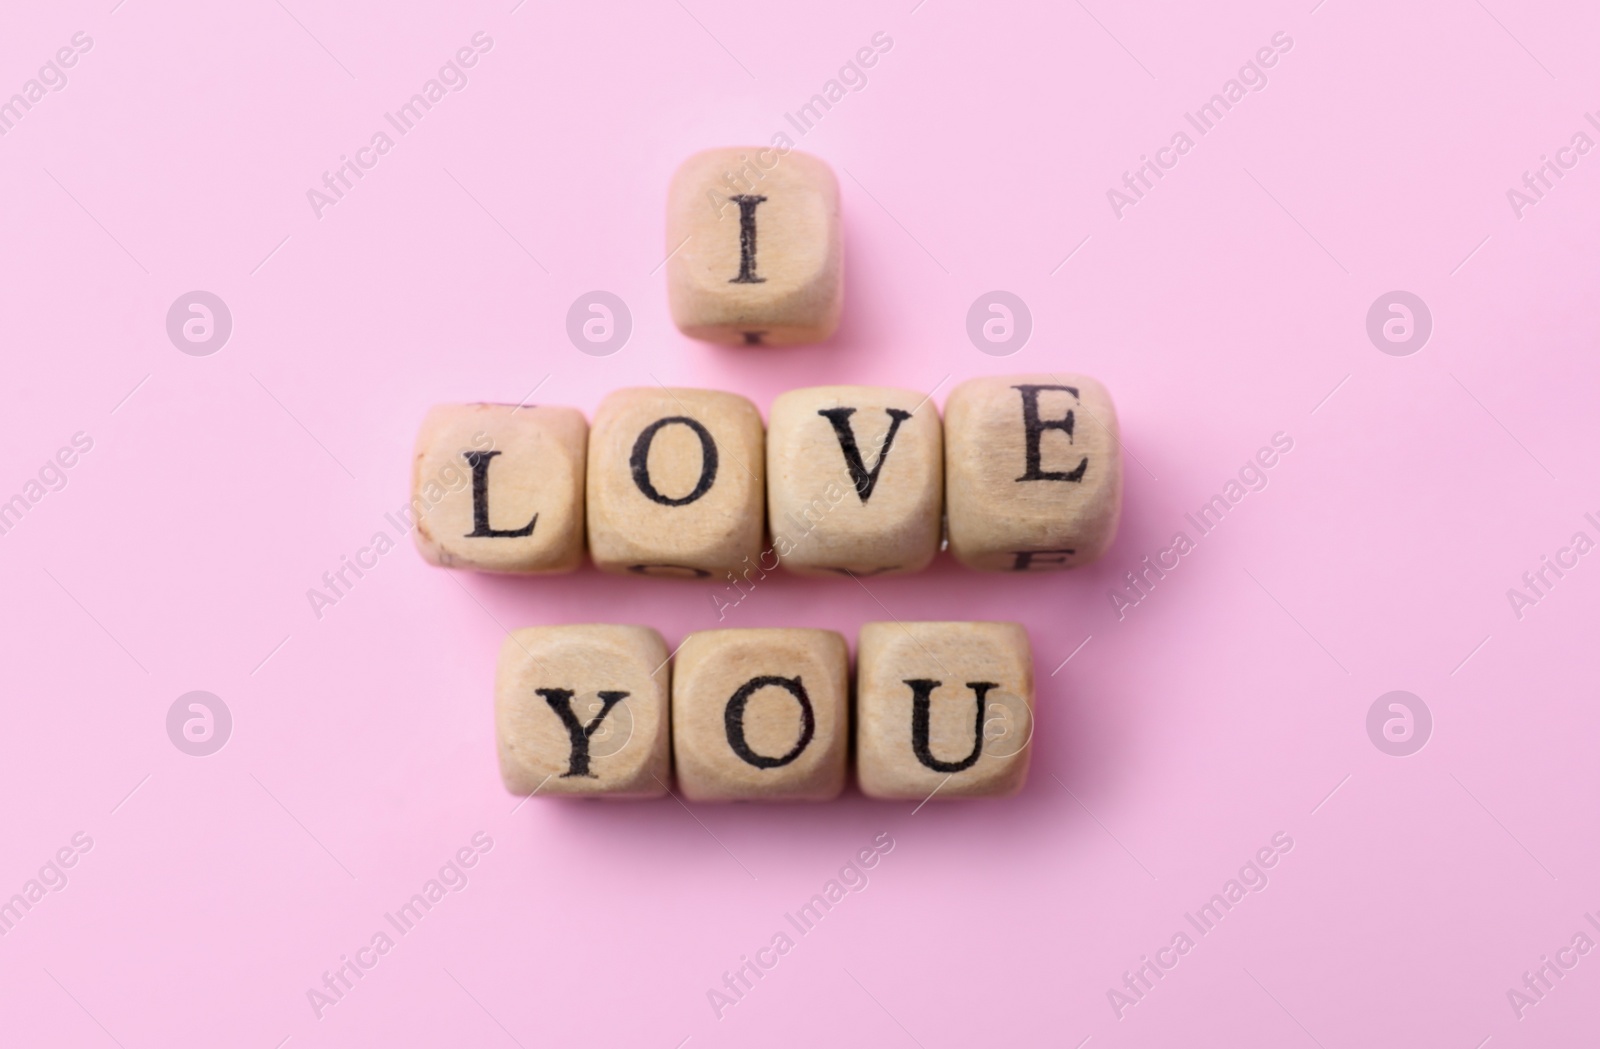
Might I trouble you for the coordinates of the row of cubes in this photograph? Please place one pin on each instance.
(1024, 473)
(940, 709)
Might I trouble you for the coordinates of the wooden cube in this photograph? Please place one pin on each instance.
(855, 480)
(1033, 472)
(499, 487)
(676, 483)
(755, 252)
(943, 710)
(761, 715)
(583, 710)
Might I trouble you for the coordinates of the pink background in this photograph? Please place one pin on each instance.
(1227, 707)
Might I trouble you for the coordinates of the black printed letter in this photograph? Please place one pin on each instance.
(1036, 427)
(747, 240)
(733, 720)
(840, 418)
(1026, 559)
(479, 461)
(640, 461)
(560, 700)
(921, 710)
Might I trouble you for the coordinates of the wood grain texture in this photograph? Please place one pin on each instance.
(482, 473)
(761, 715)
(1033, 472)
(756, 252)
(612, 682)
(677, 483)
(975, 684)
(855, 480)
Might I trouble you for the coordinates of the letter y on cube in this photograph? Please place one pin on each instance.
(583, 710)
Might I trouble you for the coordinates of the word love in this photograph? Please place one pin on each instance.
(766, 714)
(1025, 472)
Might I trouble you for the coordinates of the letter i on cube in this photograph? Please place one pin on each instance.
(755, 254)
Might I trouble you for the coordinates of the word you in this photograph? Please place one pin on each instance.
(852, 878)
(425, 496)
(1537, 981)
(51, 75)
(52, 877)
(1566, 557)
(452, 877)
(1537, 182)
(1251, 76)
(452, 76)
(852, 75)
(1252, 877)
(52, 477)
(1141, 582)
